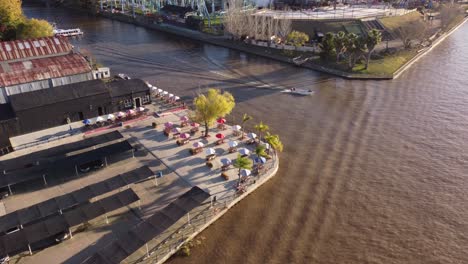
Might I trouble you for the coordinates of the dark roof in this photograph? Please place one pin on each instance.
(124, 87)
(57, 166)
(57, 94)
(129, 242)
(6, 112)
(74, 91)
(24, 161)
(64, 202)
(52, 226)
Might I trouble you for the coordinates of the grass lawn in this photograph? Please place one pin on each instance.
(395, 22)
(382, 67)
(388, 65)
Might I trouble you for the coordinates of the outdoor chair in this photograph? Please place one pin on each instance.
(181, 142)
(232, 149)
(210, 157)
(225, 176)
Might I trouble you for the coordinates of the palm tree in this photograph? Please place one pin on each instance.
(245, 118)
(261, 128)
(374, 37)
(260, 151)
(274, 141)
(340, 44)
(242, 163)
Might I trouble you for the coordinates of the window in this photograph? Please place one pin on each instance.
(26, 44)
(43, 44)
(146, 99)
(7, 47)
(128, 103)
(20, 45)
(36, 44)
(56, 41)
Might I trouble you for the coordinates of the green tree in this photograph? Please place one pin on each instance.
(355, 47)
(34, 28)
(297, 38)
(211, 106)
(340, 44)
(274, 141)
(374, 37)
(245, 118)
(327, 46)
(260, 151)
(261, 128)
(11, 13)
(242, 163)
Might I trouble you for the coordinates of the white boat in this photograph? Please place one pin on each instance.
(68, 32)
(299, 60)
(298, 91)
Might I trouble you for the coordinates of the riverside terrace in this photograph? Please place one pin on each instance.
(164, 210)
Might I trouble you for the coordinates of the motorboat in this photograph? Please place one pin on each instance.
(298, 91)
(299, 60)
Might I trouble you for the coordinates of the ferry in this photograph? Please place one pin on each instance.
(68, 32)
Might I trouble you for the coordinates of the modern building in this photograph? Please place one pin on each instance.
(34, 64)
(36, 110)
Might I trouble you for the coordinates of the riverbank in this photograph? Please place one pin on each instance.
(274, 53)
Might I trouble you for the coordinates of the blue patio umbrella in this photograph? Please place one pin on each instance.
(261, 160)
(87, 122)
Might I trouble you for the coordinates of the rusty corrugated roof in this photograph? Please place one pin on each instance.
(40, 69)
(33, 48)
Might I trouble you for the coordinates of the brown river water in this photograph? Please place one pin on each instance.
(372, 171)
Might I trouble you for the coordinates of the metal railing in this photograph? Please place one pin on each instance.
(168, 243)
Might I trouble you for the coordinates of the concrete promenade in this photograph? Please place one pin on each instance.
(181, 170)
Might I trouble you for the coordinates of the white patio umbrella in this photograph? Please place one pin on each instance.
(226, 161)
(171, 95)
(244, 151)
(210, 151)
(198, 144)
(176, 98)
(120, 114)
(245, 172)
(165, 92)
(100, 119)
(232, 144)
(252, 135)
(236, 128)
(110, 117)
(149, 85)
(154, 88)
(160, 90)
(141, 109)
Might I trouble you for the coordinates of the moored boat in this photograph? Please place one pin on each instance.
(68, 32)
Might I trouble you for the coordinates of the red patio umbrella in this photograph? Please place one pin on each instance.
(221, 120)
(220, 136)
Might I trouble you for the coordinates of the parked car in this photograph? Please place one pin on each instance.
(95, 164)
(122, 76)
(62, 237)
(5, 259)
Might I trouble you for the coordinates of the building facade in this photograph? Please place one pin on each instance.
(46, 108)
